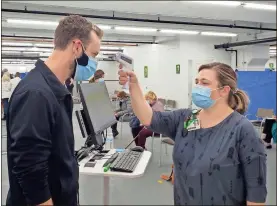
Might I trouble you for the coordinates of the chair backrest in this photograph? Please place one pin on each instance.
(171, 103)
(263, 113)
(162, 101)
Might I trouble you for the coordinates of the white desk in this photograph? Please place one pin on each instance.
(99, 170)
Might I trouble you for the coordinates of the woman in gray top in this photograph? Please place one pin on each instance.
(219, 158)
(125, 108)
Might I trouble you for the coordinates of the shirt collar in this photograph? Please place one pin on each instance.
(56, 86)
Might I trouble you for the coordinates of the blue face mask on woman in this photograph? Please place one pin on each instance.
(201, 97)
(85, 68)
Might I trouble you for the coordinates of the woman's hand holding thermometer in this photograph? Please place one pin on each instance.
(126, 65)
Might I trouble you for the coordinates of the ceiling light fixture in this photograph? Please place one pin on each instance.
(44, 54)
(14, 49)
(218, 34)
(272, 47)
(44, 45)
(104, 27)
(259, 6)
(111, 48)
(176, 31)
(16, 44)
(220, 3)
(139, 29)
(33, 22)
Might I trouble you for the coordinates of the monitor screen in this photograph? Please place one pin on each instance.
(98, 106)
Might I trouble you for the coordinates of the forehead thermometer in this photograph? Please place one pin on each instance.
(125, 60)
(128, 65)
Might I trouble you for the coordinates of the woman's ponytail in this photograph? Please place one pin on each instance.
(239, 101)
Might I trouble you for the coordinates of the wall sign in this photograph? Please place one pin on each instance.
(271, 66)
(177, 68)
(145, 71)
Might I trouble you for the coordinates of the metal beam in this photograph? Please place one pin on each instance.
(26, 11)
(244, 43)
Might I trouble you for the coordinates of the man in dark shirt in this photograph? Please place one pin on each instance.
(40, 143)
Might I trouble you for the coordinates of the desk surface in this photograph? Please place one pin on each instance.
(99, 170)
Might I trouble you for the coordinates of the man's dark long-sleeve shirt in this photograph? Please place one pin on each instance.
(40, 142)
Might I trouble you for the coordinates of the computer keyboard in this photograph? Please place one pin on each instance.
(126, 161)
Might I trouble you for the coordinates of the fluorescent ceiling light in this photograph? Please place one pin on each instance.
(11, 52)
(139, 29)
(175, 31)
(272, 47)
(217, 34)
(44, 45)
(221, 3)
(26, 49)
(33, 22)
(45, 54)
(16, 44)
(260, 6)
(112, 48)
(14, 49)
(40, 49)
(104, 27)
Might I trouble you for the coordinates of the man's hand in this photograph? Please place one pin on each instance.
(48, 202)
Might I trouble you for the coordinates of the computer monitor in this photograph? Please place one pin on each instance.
(97, 114)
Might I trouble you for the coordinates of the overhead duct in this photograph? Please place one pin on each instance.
(159, 21)
(244, 43)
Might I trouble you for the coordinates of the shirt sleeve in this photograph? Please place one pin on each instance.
(167, 123)
(30, 125)
(253, 158)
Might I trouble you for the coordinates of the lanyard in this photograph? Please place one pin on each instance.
(192, 118)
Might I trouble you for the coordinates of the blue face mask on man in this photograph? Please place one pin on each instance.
(85, 68)
(201, 97)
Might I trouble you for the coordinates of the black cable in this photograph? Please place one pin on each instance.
(135, 137)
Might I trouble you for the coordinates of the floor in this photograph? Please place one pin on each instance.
(146, 190)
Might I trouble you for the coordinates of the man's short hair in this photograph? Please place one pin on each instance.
(74, 26)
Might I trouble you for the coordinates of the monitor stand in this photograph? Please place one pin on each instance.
(90, 141)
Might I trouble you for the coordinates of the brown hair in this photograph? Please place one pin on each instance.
(122, 94)
(237, 99)
(97, 75)
(74, 26)
(17, 74)
(151, 95)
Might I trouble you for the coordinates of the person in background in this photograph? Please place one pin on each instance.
(15, 81)
(42, 166)
(218, 156)
(3, 72)
(6, 92)
(69, 83)
(98, 76)
(267, 131)
(125, 107)
(139, 130)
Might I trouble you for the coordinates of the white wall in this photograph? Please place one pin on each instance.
(161, 60)
(111, 69)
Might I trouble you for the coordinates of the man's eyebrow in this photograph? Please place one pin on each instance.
(202, 79)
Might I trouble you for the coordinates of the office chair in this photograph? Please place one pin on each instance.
(122, 119)
(162, 140)
(261, 115)
(170, 105)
